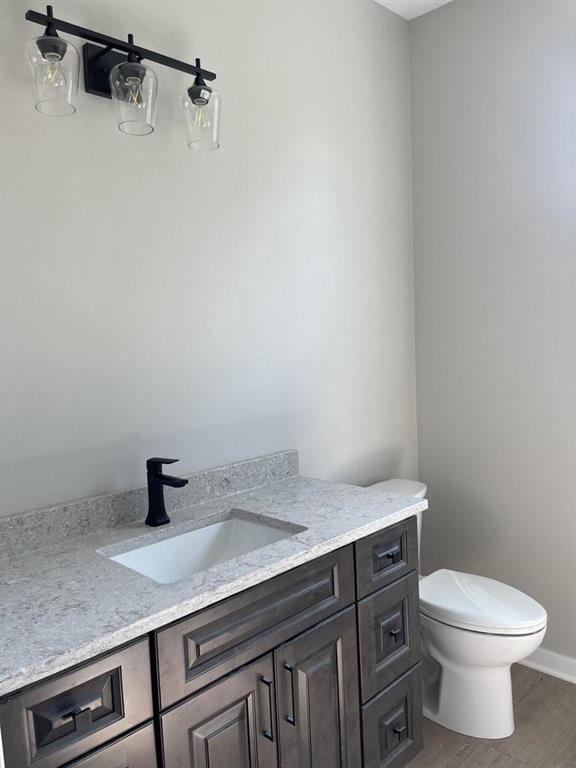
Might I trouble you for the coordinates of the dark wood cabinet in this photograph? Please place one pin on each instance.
(317, 684)
(232, 723)
(268, 678)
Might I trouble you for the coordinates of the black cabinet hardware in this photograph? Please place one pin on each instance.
(291, 718)
(267, 732)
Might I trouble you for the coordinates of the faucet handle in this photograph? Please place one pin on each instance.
(155, 464)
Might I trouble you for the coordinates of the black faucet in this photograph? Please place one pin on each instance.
(156, 482)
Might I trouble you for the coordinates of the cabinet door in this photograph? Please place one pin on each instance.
(317, 693)
(229, 724)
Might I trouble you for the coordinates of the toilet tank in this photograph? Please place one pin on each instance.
(404, 489)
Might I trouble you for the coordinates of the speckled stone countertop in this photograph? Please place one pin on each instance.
(66, 602)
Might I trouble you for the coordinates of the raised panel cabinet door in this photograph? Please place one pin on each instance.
(229, 725)
(317, 696)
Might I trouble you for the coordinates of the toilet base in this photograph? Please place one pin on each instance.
(467, 683)
(474, 702)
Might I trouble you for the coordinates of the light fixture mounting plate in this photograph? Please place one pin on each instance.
(98, 62)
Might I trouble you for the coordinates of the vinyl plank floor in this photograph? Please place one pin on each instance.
(545, 735)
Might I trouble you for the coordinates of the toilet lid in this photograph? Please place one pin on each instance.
(479, 604)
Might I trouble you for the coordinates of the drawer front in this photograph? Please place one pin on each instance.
(196, 651)
(385, 556)
(392, 723)
(388, 627)
(138, 750)
(229, 725)
(55, 722)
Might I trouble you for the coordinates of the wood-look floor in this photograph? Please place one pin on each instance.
(545, 735)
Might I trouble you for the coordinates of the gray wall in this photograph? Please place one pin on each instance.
(494, 95)
(219, 306)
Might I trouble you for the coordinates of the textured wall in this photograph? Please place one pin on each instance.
(494, 95)
(220, 306)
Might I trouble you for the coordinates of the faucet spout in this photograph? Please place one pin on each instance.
(173, 482)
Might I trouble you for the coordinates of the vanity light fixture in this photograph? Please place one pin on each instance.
(113, 69)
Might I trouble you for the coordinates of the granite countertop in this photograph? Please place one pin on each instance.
(65, 602)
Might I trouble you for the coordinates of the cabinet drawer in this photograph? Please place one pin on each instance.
(392, 723)
(388, 627)
(196, 651)
(232, 724)
(138, 750)
(54, 722)
(385, 556)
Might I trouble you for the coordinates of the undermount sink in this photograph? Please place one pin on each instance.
(175, 558)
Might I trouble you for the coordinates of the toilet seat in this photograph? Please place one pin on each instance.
(478, 604)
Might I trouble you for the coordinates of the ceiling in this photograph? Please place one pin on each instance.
(410, 9)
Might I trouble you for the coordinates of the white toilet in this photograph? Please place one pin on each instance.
(473, 630)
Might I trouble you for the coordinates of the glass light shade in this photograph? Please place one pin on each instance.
(202, 121)
(54, 64)
(134, 88)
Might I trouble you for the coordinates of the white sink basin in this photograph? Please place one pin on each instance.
(175, 558)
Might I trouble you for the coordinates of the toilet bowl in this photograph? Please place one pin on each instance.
(473, 629)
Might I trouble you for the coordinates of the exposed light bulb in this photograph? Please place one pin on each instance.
(201, 118)
(52, 74)
(135, 96)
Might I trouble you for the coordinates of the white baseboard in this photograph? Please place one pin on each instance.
(554, 664)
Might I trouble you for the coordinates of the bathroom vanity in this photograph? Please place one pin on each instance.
(316, 666)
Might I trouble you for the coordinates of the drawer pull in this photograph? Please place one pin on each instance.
(291, 718)
(400, 731)
(394, 554)
(82, 718)
(395, 633)
(268, 683)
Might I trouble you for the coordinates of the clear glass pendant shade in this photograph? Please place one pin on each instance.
(54, 64)
(202, 118)
(134, 88)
